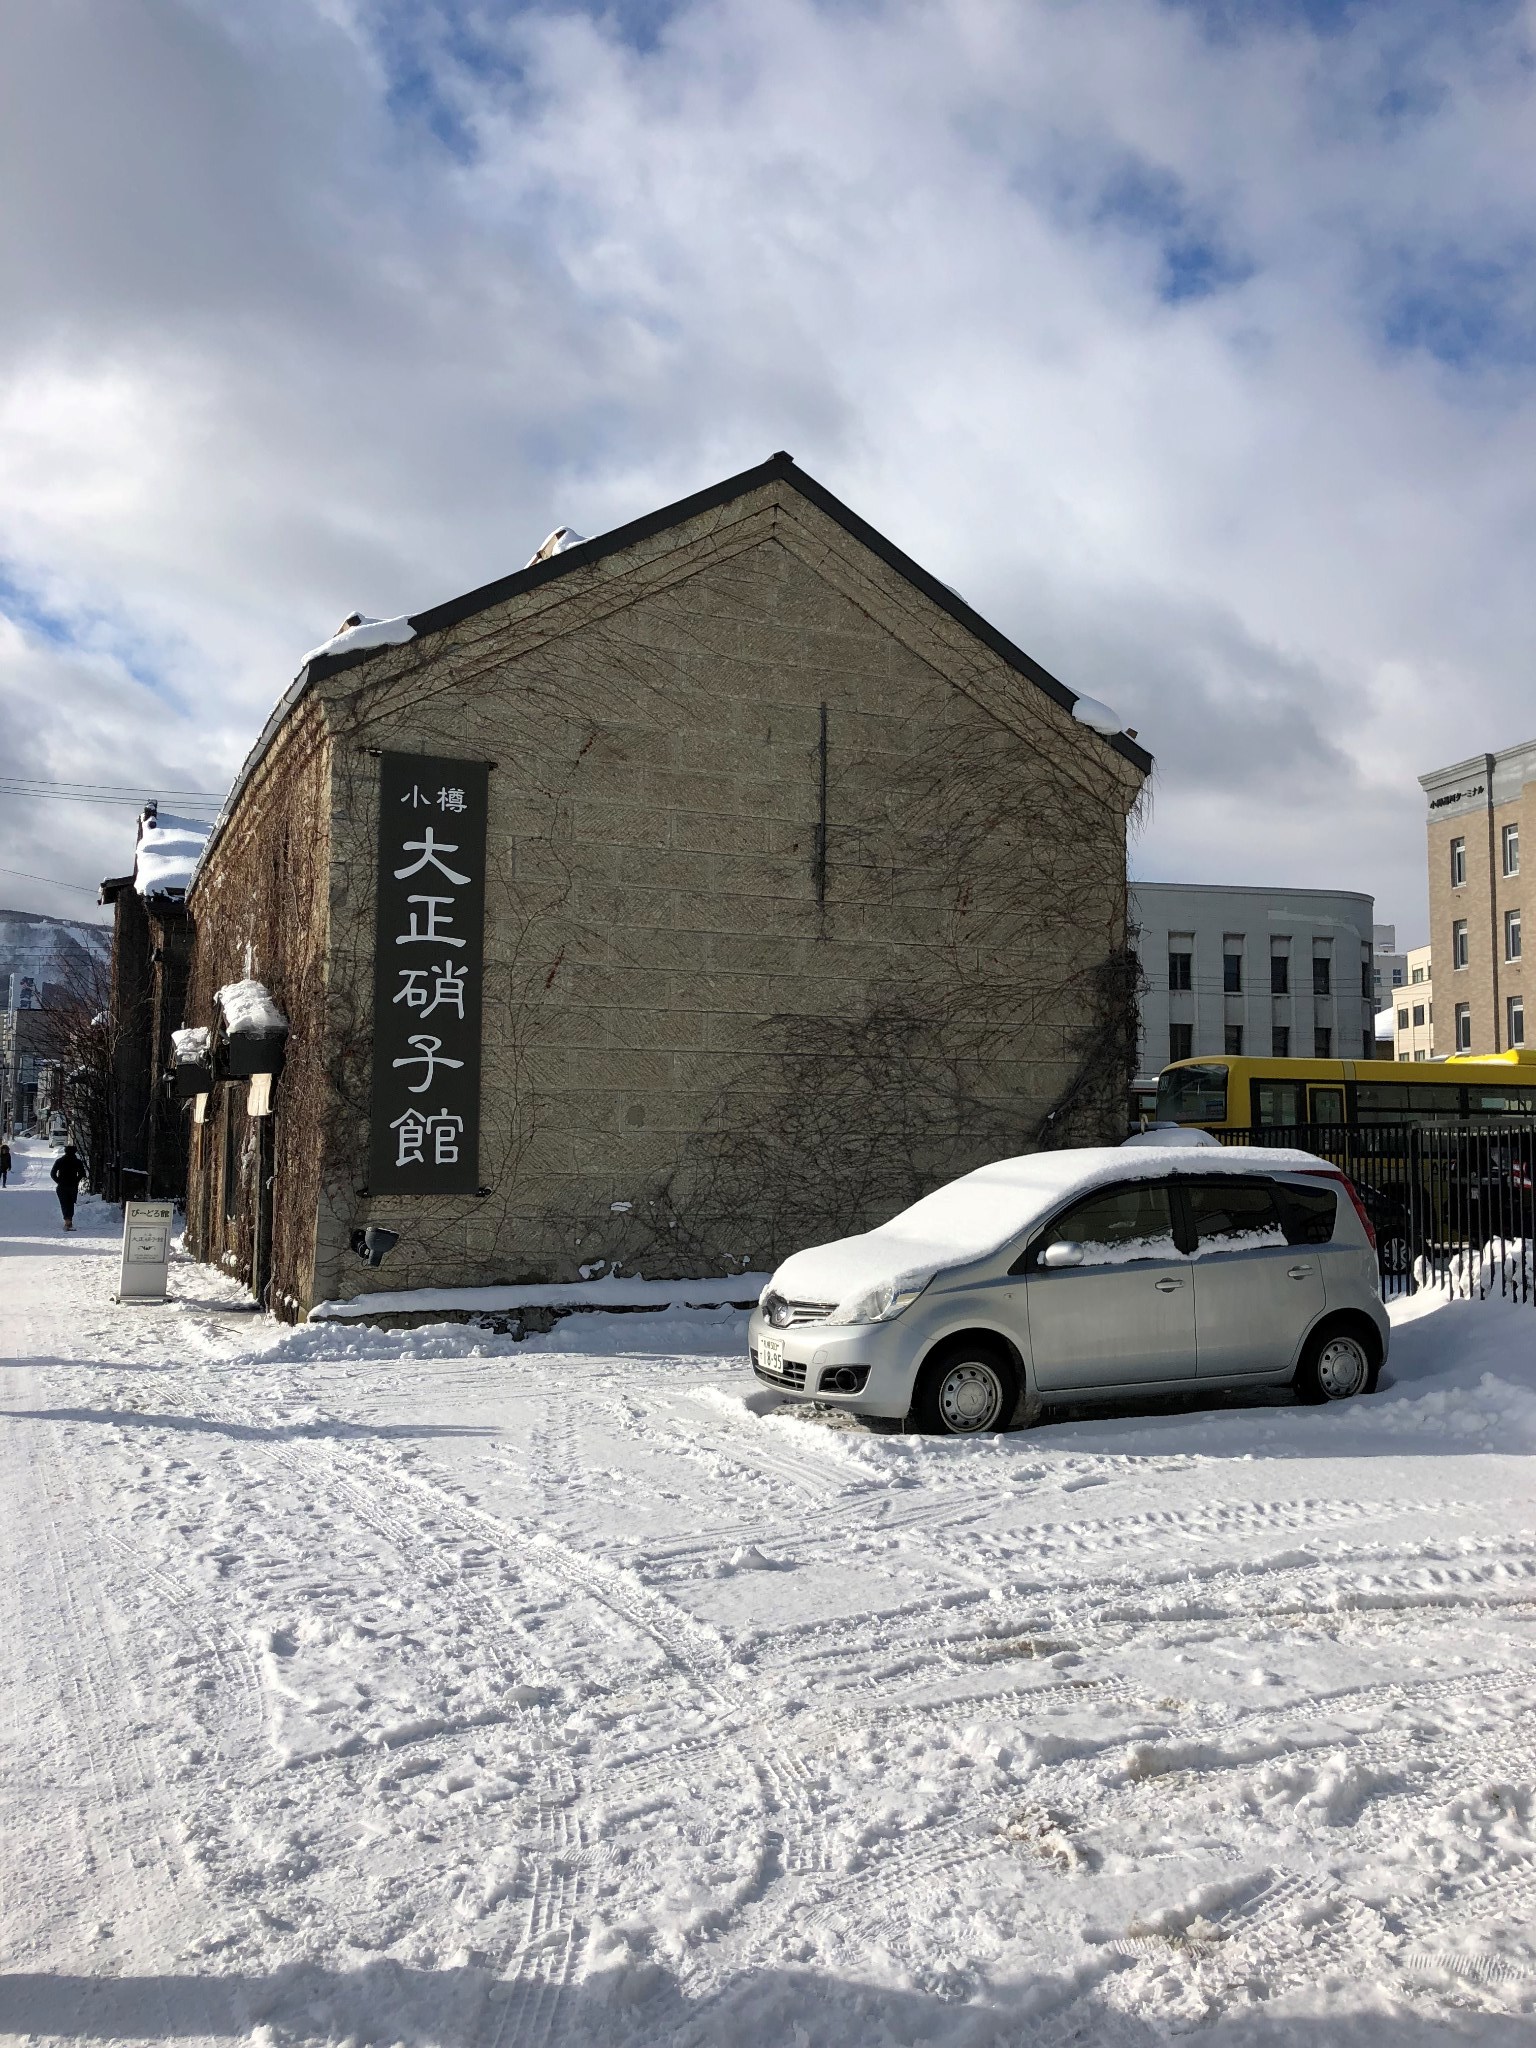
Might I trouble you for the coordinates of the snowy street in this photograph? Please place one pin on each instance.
(436, 1688)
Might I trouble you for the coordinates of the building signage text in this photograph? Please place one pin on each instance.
(425, 1134)
(1438, 803)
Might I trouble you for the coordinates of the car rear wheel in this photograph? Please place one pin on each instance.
(1336, 1365)
(969, 1389)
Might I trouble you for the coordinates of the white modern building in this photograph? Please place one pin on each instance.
(1413, 1009)
(1282, 973)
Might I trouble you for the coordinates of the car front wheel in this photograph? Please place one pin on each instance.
(1336, 1365)
(967, 1390)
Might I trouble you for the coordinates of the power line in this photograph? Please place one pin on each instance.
(107, 788)
(52, 880)
(210, 805)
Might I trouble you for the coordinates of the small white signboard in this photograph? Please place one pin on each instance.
(146, 1251)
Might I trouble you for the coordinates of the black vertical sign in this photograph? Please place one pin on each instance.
(425, 1137)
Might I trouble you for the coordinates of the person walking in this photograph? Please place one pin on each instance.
(66, 1173)
(5, 1162)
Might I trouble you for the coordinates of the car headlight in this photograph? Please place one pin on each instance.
(880, 1304)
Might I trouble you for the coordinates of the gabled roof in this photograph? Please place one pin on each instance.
(780, 468)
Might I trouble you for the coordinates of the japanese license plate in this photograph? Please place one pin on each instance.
(770, 1355)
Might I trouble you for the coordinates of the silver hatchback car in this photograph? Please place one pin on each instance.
(1071, 1274)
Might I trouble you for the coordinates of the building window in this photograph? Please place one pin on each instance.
(1279, 974)
(1322, 1042)
(1463, 1027)
(1232, 973)
(1418, 1055)
(1322, 974)
(1514, 1019)
(1429, 1011)
(1397, 977)
(1511, 935)
(1418, 1014)
(1181, 1041)
(1234, 1046)
(1178, 969)
(1510, 839)
(1458, 862)
(1402, 1020)
(1280, 1042)
(1365, 979)
(1418, 974)
(1459, 943)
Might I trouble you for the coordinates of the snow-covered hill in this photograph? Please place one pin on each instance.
(53, 953)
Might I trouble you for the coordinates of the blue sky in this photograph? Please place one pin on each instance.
(1194, 340)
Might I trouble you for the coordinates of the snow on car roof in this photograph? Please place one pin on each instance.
(978, 1214)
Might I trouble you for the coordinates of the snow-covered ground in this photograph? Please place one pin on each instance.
(432, 1688)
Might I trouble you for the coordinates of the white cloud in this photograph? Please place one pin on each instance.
(273, 349)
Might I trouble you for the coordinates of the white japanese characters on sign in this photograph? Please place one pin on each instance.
(432, 818)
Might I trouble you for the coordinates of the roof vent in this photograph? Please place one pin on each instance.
(562, 538)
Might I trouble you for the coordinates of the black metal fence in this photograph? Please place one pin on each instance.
(1452, 1206)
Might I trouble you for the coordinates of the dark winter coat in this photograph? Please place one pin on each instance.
(68, 1172)
(5, 1158)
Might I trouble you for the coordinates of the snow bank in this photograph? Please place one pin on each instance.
(1092, 711)
(608, 1292)
(359, 632)
(167, 852)
(978, 1214)
(249, 1011)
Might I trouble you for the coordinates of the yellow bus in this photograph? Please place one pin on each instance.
(1219, 1093)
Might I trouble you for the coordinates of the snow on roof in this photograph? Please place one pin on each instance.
(249, 1011)
(167, 852)
(1386, 1023)
(1092, 711)
(980, 1213)
(190, 1045)
(357, 630)
(556, 543)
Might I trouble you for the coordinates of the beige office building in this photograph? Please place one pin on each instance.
(1476, 814)
(1413, 1009)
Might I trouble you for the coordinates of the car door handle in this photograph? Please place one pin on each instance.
(1298, 1272)
(1167, 1286)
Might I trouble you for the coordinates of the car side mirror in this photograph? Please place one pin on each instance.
(1064, 1253)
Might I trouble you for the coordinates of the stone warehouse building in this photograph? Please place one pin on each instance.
(714, 886)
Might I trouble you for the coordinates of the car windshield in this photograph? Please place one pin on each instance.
(1192, 1095)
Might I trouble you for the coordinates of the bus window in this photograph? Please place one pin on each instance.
(1501, 1102)
(1396, 1102)
(1279, 1104)
(1327, 1105)
(1192, 1095)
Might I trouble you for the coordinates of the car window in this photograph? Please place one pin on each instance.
(1234, 1215)
(1308, 1213)
(1118, 1225)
